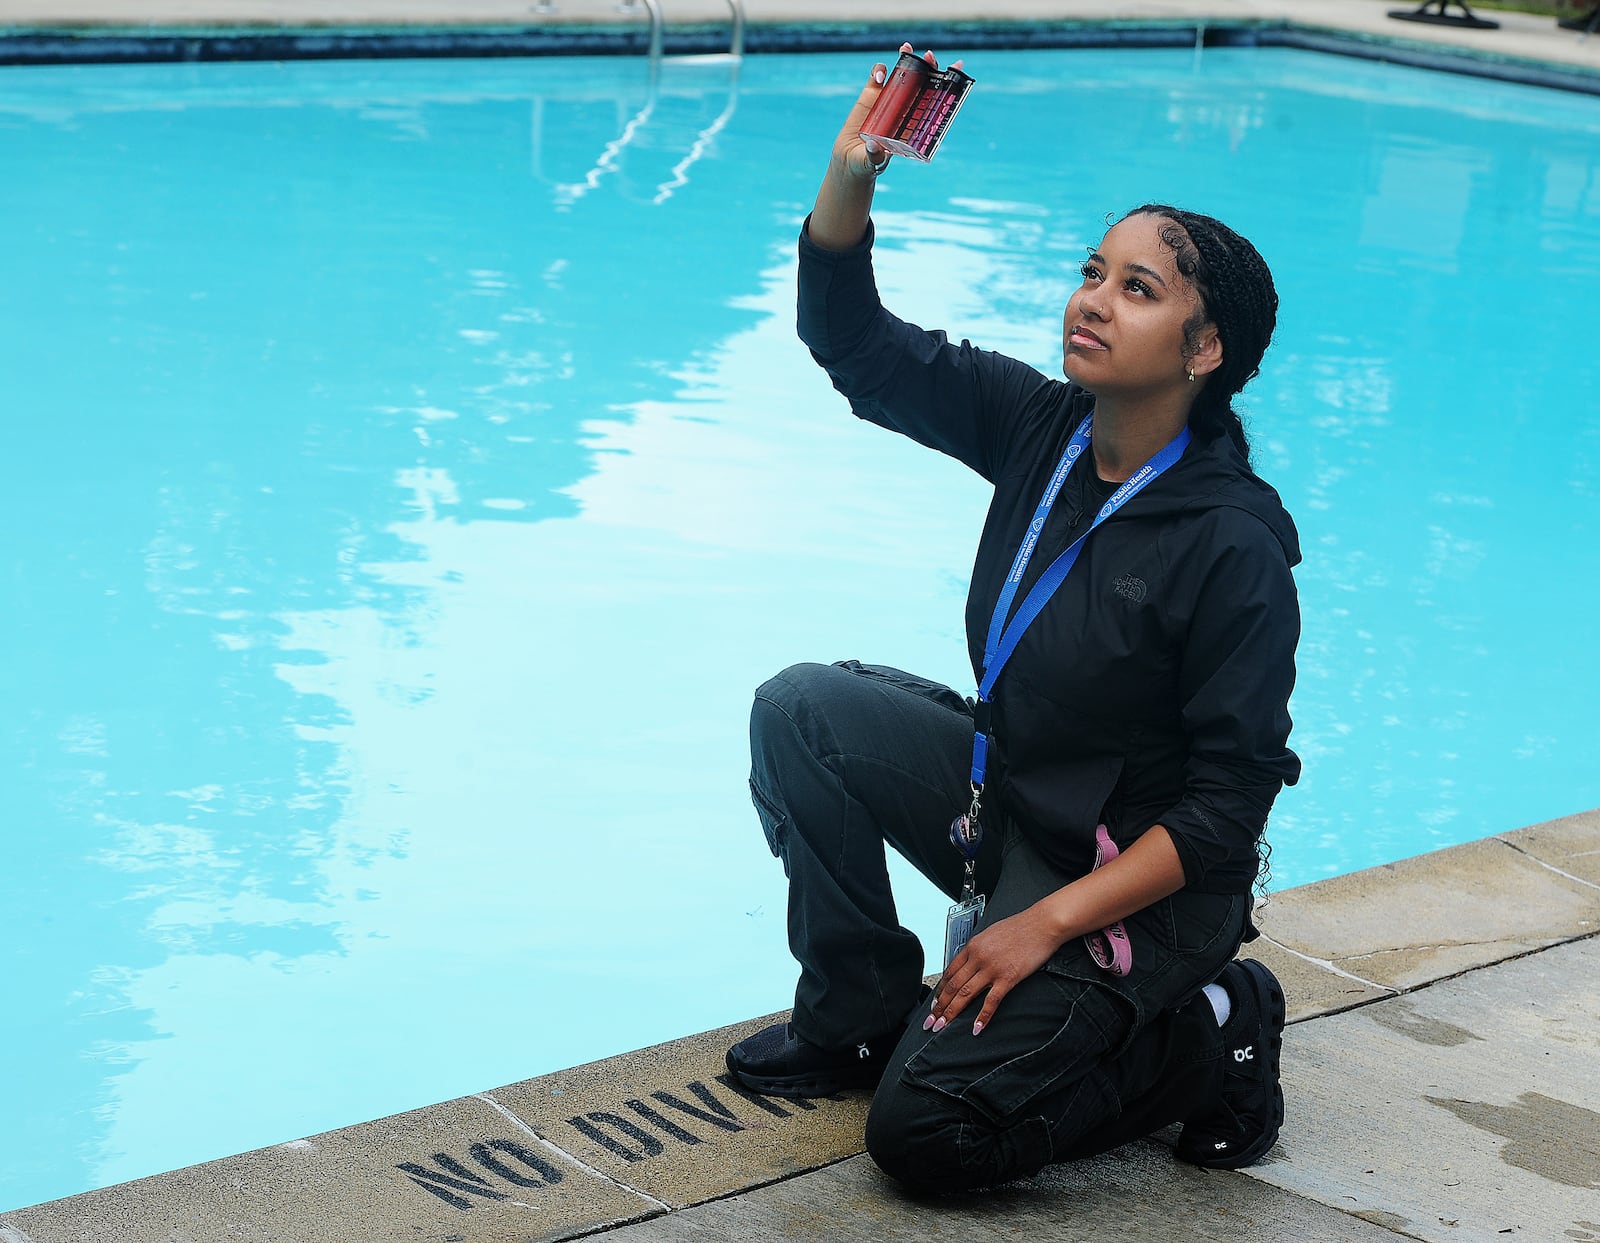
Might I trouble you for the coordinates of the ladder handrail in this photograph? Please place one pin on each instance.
(657, 27)
(609, 161)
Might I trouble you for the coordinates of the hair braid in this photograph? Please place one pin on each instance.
(1237, 295)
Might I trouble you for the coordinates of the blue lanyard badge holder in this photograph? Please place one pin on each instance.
(961, 921)
(966, 831)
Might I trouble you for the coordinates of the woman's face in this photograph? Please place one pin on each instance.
(1122, 332)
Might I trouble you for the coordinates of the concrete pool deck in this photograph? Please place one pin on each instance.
(1439, 1070)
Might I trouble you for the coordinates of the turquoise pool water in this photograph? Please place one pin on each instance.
(413, 470)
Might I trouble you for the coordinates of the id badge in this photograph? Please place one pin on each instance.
(960, 924)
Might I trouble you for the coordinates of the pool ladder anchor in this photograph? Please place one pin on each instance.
(657, 25)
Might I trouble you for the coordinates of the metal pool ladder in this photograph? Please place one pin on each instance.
(610, 158)
(735, 7)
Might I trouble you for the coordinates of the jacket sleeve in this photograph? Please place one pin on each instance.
(1235, 679)
(958, 399)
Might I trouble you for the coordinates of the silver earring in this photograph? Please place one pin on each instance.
(1191, 375)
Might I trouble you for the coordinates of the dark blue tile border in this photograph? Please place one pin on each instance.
(112, 45)
(109, 46)
(1434, 56)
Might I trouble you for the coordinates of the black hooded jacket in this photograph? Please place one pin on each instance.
(1154, 687)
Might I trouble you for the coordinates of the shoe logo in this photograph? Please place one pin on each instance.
(1246, 1054)
(1219, 1145)
(863, 1051)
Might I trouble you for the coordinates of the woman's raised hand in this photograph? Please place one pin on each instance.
(852, 154)
(861, 157)
(839, 218)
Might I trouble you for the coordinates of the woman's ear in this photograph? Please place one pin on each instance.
(1208, 353)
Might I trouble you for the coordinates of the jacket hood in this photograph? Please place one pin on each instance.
(1215, 474)
(1212, 474)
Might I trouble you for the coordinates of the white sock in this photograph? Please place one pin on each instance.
(1220, 1001)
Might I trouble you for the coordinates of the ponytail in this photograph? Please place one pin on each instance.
(1237, 296)
(1209, 420)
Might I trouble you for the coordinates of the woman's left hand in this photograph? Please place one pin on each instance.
(996, 960)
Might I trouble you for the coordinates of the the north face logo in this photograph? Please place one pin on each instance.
(1130, 588)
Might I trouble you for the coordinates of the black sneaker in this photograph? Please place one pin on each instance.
(1245, 1124)
(777, 1062)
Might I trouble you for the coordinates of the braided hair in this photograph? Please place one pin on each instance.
(1237, 295)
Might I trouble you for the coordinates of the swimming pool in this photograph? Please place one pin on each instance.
(417, 470)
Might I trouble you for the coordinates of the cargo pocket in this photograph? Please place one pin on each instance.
(1055, 1032)
(774, 823)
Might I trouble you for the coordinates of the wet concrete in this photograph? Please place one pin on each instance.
(1467, 1107)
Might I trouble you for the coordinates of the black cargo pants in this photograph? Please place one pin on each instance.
(847, 757)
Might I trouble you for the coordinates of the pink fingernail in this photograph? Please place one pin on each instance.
(938, 1026)
(927, 1022)
(976, 1028)
(877, 75)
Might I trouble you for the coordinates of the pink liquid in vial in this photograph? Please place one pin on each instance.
(915, 107)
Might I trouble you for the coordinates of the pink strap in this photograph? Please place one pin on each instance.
(1109, 947)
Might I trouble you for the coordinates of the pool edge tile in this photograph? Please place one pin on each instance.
(670, 1122)
(459, 1169)
(1312, 988)
(1403, 925)
(1569, 844)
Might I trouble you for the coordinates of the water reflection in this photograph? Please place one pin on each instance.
(285, 399)
(666, 132)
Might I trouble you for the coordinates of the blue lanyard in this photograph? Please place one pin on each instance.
(1003, 638)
